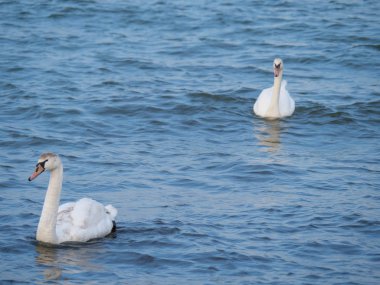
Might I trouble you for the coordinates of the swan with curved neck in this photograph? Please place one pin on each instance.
(275, 102)
(76, 221)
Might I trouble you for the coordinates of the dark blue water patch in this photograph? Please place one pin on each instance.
(365, 111)
(223, 260)
(206, 98)
(372, 46)
(364, 225)
(152, 231)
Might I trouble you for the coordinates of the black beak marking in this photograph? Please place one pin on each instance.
(42, 164)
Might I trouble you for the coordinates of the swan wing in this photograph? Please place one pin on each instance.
(64, 221)
(84, 220)
(263, 101)
(283, 84)
(287, 104)
(64, 214)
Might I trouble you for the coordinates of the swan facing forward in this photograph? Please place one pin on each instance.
(75, 221)
(275, 102)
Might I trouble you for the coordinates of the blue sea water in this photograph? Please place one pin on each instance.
(149, 104)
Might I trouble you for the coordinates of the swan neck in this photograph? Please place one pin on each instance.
(273, 110)
(277, 87)
(46, 230)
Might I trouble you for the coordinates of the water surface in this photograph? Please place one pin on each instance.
(150, 107)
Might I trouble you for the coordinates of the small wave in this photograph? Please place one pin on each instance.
(320, 114)
(152, 230)
(208, 97)
(108, 83)
(366, 108)
(372, 46)
(145, 259)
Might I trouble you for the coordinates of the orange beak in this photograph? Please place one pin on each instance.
(38, 171)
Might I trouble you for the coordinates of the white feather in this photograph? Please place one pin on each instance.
(83, 220)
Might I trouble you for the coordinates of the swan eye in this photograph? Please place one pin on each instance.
(42, 164)
(277, 65)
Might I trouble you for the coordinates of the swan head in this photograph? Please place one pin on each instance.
(278, 66)
(47, 161)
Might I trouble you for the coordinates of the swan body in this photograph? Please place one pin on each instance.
(75, 221)
(275, 102)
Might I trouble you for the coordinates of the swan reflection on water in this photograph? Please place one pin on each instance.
(64, 260)
(268, 134)
(47, 256)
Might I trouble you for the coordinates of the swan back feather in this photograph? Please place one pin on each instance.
(83, 220)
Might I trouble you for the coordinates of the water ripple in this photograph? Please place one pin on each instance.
(149, 105)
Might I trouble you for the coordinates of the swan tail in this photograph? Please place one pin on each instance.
(111, 210)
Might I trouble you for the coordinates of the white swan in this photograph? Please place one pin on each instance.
(275, 102)
(75, 221)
